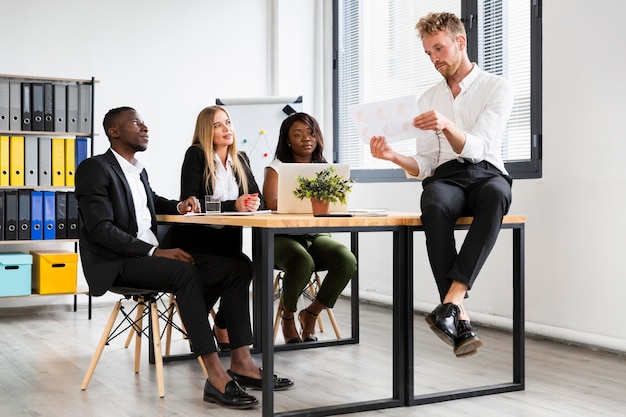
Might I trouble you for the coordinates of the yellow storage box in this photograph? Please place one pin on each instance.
(54, 272)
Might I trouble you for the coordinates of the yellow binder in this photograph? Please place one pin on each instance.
(58, 162)
(70, 161)
(16, 161)
(4, 161)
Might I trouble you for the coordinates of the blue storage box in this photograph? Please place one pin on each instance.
(15, 273)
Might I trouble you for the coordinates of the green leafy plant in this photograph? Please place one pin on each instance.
(325, 186)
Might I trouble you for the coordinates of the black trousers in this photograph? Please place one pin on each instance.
(460, 189)
(197, 287)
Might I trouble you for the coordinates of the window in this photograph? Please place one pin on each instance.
(378, 55)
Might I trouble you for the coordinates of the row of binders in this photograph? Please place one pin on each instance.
(38, 215)
(40, 161)
(45, 106)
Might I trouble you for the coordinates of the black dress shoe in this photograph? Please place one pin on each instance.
(432, 316)
(467, 341)
(257, 383)
(445, 322)
(233, 397)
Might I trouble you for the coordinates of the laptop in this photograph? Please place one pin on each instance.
(287, 174)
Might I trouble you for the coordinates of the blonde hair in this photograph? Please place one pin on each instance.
(437, 22)
(203, 138)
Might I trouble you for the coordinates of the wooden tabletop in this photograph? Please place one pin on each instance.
(276, 220)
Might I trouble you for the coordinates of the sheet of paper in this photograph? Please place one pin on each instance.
(392, 119)
(230, 213)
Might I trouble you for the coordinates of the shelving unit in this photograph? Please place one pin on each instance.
(46, 113)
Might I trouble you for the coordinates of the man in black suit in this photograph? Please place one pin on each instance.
(119, 247)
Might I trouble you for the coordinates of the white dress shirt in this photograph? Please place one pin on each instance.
(481, 110)
(140, 199)
(226, 187)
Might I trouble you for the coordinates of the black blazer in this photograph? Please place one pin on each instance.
(225, 241)
(108, 232)
(192, 179)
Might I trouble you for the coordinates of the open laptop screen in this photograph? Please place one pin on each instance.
(287, 174)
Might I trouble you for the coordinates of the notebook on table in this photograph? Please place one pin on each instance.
(288, 172)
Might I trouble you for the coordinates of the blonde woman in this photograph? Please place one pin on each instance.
(213, 166)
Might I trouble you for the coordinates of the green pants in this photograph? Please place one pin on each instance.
(301, 255)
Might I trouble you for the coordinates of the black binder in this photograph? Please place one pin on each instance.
(72, 216)
(1, 214)
(48, 107)
(10, 215)
(36, 103)
(61, 214)
(26, 109)
(23, 220)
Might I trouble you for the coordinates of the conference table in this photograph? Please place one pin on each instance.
(264, 227)
(402, 225)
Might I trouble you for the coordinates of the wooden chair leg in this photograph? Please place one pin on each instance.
(333, 322)
(279, 310)
(168, 326)
(313, 288)
(103, 341)
(206, 373)
(138, 329)
(156, 341)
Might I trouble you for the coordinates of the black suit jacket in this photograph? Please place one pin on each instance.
(109, 227)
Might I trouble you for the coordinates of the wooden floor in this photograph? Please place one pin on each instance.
(44, 354)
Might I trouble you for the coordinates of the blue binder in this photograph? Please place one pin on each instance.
(36, 215)
(49, 215)
(81, 150)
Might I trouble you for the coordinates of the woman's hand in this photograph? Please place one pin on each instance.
(248, 202)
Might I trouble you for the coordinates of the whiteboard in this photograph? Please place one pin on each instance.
(256, 122)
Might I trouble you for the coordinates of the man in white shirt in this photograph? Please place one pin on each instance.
(119, 247)
(459, 160)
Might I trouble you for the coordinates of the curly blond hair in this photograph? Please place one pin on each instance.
(442, 21)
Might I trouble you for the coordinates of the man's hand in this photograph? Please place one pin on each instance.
(380, 148)
(431, 120)
(175, 253)
(190, 205)
(435, 121)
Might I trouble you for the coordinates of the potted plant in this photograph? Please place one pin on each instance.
(325, 188)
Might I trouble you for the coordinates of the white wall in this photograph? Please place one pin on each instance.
(169, 60)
